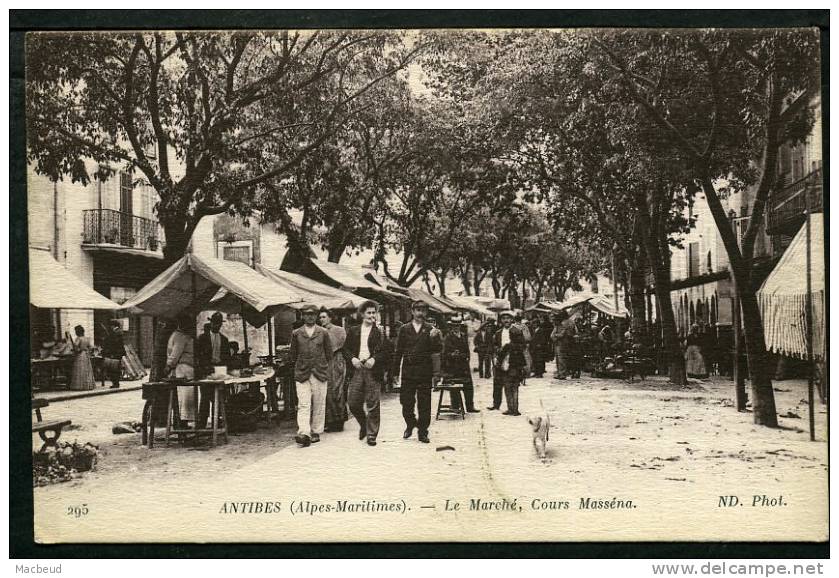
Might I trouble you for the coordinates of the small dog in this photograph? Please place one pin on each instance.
(541, 425)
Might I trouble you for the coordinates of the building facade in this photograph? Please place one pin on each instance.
(702, 289)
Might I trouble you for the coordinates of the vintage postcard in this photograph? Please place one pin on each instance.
(449, 285)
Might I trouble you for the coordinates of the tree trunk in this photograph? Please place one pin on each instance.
(477, 279)
(496, 286)
(637, 301)
(763, 397)
(661, 271)
(464, 280)
(335, 253)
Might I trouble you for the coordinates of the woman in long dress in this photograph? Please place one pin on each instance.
(180, 364)
(336, 401)
(81, 378)
(694, 360)
(563, 338)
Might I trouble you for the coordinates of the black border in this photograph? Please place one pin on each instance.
(21, 531)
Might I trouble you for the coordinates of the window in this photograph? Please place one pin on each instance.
(241, 251)
(693, 259)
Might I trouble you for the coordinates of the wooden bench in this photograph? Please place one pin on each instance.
(37, 405)
(53, 427)
(48, 431)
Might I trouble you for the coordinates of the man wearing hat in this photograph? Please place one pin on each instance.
(509, 364)
(456, 361)
(417, 359)
(212, 349)
(311, 349)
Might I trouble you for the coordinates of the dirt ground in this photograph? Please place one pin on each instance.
(670, 451)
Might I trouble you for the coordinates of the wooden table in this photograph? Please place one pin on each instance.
(157, 393)
(45, 371)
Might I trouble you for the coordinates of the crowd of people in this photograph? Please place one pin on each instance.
(340, 373)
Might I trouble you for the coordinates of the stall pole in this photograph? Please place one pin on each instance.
(809, 316)
(618, 324)
(244, 332)
(271, 339)
(740, 397)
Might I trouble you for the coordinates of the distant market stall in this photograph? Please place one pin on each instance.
(51, 286)
(598, 302)
(312, 291)
(783, 296)
(462, 302)
(433, 302)
(342, 277)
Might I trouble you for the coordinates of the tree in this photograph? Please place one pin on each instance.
(718, 98)
(451, 174)
(572, 148)
(212, 120)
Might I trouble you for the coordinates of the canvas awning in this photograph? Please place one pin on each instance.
(597, 301)
(431, 300)
(51, 286)
(312, 291)
(547, 306)
(607, 306)
(782, 297)
(340, 276)
(193, 282)
(462, 302)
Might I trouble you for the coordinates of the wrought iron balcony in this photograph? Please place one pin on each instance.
(109, 227)
(785, 213)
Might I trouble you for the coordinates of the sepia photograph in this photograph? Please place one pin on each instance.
(426, 284)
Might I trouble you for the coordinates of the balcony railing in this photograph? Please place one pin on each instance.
(787, 205)
(109, 227)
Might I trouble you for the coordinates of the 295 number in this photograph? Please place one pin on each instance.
(77, 511)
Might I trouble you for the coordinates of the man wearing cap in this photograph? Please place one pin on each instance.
(509, 364)
(310, 352)
(212, 349)
(417, 359)
(367, 352)
(456, 362)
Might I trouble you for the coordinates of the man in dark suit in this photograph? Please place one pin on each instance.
(367, 352)
(212, 349)
(456, 362)
(417, 359)
(510, 364)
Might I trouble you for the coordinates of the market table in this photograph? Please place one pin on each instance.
(158, 392)
(45, 371)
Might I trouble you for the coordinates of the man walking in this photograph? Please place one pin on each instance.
(212, 349)
(310, 352)
(417, 359)
(509, 364)
(367, 352)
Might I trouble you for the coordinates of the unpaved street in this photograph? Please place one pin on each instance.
(670, 452)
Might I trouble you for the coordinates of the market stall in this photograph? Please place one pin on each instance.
(783, 297)
(312, 291)
(465, 302)
(51, 286)
(193, 284)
